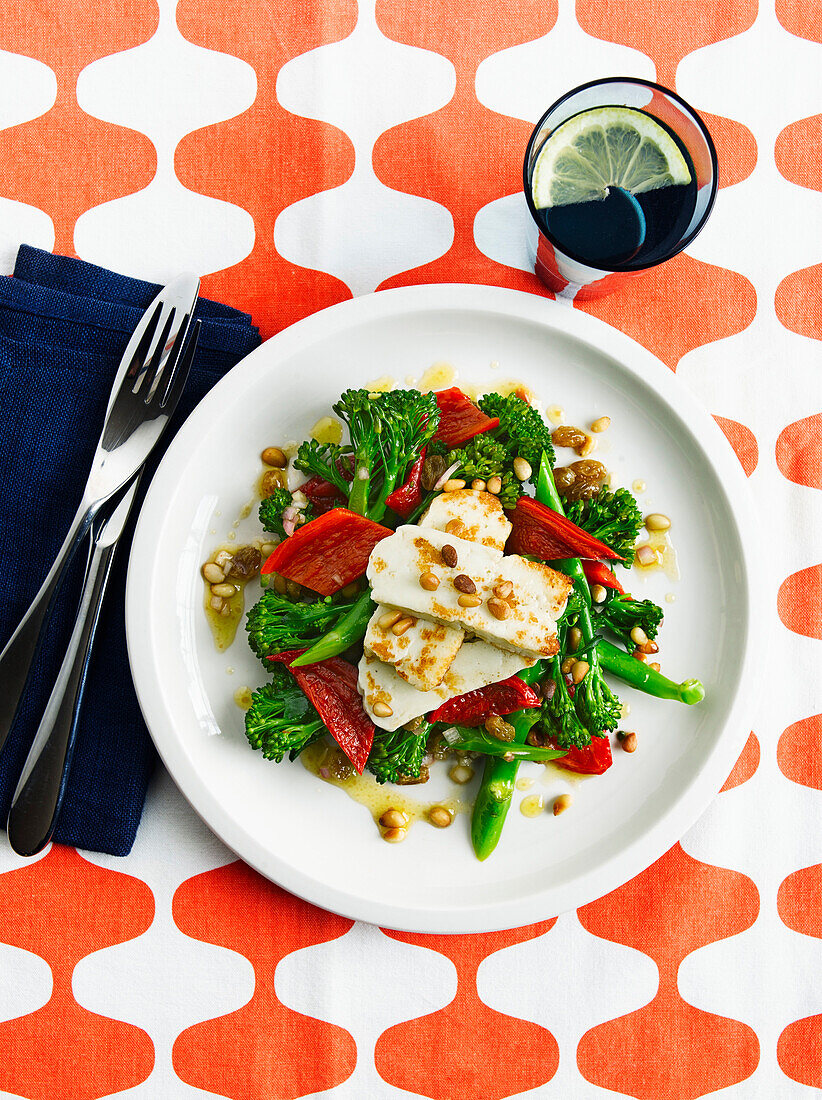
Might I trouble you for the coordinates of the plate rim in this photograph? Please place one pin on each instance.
(647, 848)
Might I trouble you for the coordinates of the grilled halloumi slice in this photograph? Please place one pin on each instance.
(537, 598)
(481, 515)
(476, 664)
(422, 654)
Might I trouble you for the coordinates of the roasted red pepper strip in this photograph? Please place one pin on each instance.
(329, 552)
(545, 534)
(597, 573)
(331, 688)
(594, 759)
(460, 419)
(404, 500)
(474, 707)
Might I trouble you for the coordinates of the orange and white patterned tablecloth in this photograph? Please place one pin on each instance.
(298, 154)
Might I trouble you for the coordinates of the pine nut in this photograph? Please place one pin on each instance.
(216, 603)
(293, 589)
(439, 817)
(478, 484)
(598, 593)
(639, 655)
(567, 665)
(504, 590)
(267, 549)
(430, 582)
(646, 555)
(225, 610)
(455, 527)
(561, 804)
(224, 590)
(601, 424)
(585, 449)
(273, 456)
(639, 637)
(350, 591)
(400, 628)
(395, 836)
(650, 647)
(579, 671)
(469, 601)
(656, 521)
(522, 469)
(223, 559)
(654, 665)
(453, 484)
(280, 584)
(461, 774)
(574, 637)
(494, 485)
(463, 583)
(499, 608)
(629, 742)
(386, 621)
(382, 710)
(393, 819)
(449, 555)
(213, 573)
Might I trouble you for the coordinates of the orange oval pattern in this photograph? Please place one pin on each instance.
(743, 442)
(263, 1045)
(799, 602)
(266, 158)
(63, 908)
(669, 1048)
(439, 1055)
(799, 451)
(66, 161)
(799, 752)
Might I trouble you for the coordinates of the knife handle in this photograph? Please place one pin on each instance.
(39, 795)
(17, 657)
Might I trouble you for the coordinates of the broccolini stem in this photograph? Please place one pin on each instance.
(348, 630)
(638, 675)
(358, 496)
(497, 788)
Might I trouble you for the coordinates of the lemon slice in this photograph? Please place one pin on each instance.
(606, 147)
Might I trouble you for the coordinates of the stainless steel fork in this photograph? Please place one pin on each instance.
(146, 389)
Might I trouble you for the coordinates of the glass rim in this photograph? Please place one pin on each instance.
(703, 129)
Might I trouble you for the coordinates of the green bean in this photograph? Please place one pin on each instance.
(499, 777)
(638, 675)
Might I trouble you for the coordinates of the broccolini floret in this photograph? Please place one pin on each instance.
(398, 754)
(611, 517)
(272, 508)
(521, 428)
(281, 720)
(620, 614)
(324, 460)
(388, 431)
(485, 457)
(276, 623)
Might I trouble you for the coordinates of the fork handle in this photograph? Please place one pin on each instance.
(17, 656)
(39, 795)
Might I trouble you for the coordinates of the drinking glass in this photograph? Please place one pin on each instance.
(572, 275)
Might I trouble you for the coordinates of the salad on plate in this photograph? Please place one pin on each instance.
(437, 587)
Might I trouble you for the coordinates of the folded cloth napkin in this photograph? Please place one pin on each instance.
(64, 325)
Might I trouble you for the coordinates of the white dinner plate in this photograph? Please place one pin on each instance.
(309, 836)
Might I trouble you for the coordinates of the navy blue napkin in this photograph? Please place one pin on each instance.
(64, 325)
